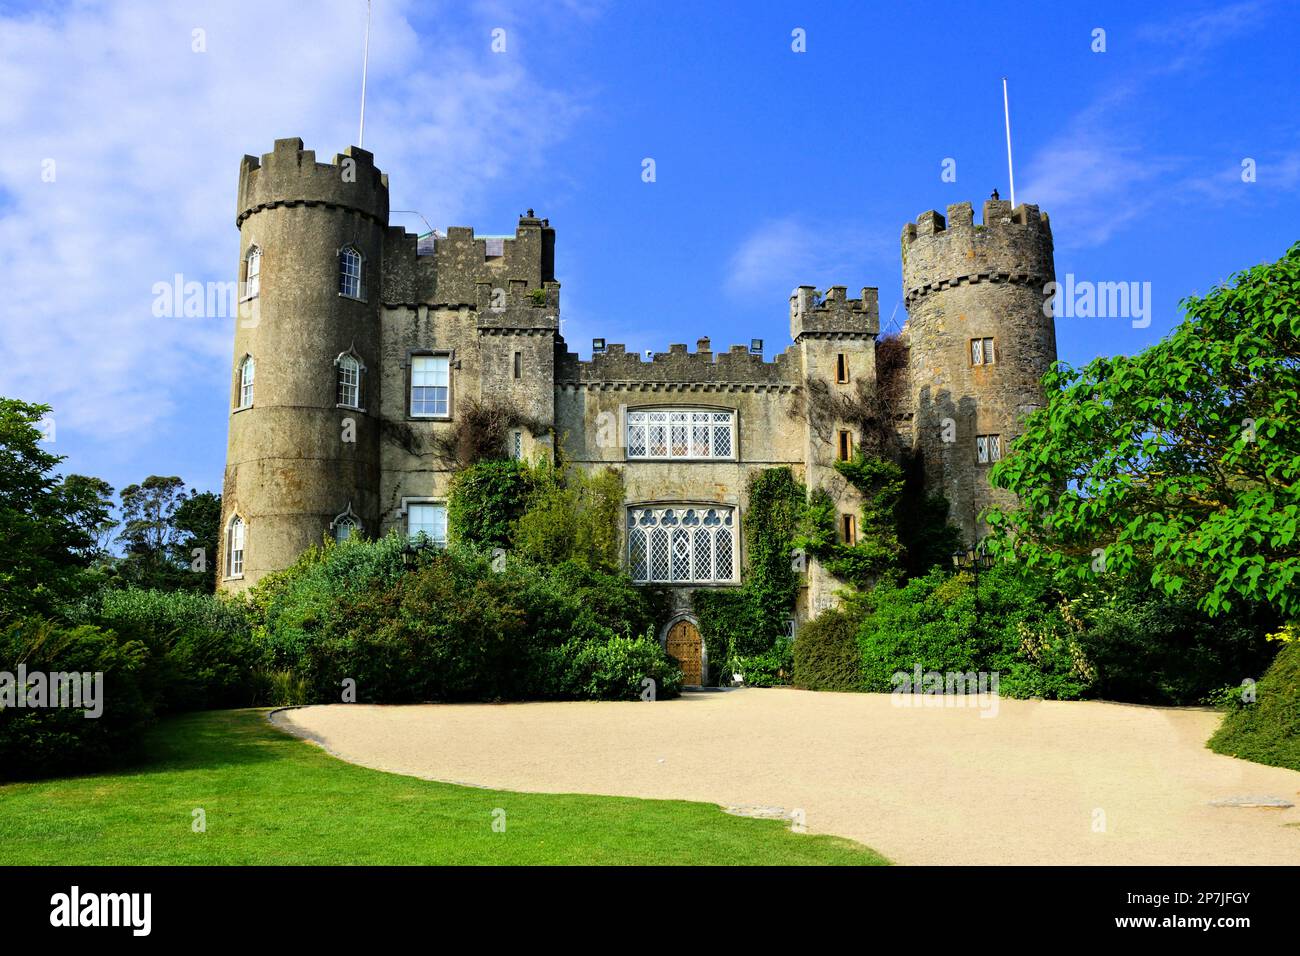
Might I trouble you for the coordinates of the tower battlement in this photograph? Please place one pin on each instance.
(1011, 245)
(679, 366)
(290, 176)
(813, 314)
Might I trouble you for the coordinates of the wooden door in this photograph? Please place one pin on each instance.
(685, 645)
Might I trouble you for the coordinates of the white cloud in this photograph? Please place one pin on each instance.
(147, 134)
(782, 254)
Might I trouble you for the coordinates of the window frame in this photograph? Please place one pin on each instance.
(339, 366)
(450, 357)
(988, 449)
(844, 445)
(235, 571)
(642, 419)
(988, 351)
(426, 502)
(245, 382)
(251, 278)
(660, 538)
(344, 254)
(841, 368)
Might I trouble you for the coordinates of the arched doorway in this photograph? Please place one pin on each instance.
(683, 643)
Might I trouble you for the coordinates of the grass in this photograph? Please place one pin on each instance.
(1267, 731)
(270, 798)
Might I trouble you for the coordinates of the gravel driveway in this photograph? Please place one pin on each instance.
(1039, 782)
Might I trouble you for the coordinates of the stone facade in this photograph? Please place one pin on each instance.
(306, 456)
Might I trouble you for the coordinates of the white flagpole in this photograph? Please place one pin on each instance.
(1006, 111)
(365, 67)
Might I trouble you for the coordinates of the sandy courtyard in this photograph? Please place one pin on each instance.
(1040, 782)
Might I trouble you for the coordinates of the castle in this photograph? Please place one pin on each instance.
(359, 343)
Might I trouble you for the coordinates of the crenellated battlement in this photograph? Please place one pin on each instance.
(678, 366)
(289, 175)
(1010, 245)
(834, 314)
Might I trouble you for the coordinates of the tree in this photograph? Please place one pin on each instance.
(94, 516)
(149, 534)
(41, 518)
(197, 520)
(1183, 458)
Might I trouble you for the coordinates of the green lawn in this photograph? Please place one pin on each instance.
(270, 798)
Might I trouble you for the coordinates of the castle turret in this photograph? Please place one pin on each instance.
(302, 459)
(979, 343)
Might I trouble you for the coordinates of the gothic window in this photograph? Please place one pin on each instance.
(246, 370)
(427, 520)
(351, 273)
(680, 433)
(345, 525)
(681, 544)
(235, 547)
(431, 386)
(349, 370)
(252, 272)
(988, 448)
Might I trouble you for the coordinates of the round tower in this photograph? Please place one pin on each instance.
(303, 452)
(979, 343)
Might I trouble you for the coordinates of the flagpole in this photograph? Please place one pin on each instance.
(1006, 111)
(365, 67)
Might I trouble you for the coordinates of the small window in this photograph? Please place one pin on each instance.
(841, 368)
(344, 530)
(431, 386)
(988, 448)
(849, 529)
(351, 274)
(252, 272)
(246, 369)
(349, 380)
(235, 548)
(517, 444)
(846, 445)
(427, 521)
(981, 352)
(519, 365)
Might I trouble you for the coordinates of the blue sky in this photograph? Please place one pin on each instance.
(774, 168)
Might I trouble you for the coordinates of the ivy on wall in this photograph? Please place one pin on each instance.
(744, 623)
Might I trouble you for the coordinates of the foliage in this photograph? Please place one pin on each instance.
(747, 621)
(44, 522)
(61, 740)
(877, 552)
(1184, 459)
(826, 654)
(479, 432)
(1267, 731)
(458, 627)
(773, 667)
(1150, 647)
(201, 652)
(571, 516)
(486, 499)
(198, 525)
(93, 514)
(939, 622)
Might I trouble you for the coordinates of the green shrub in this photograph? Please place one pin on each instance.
(826, 654)
(771, 668)
(935, 622)
(571, 516)
(615, 669)
(1149, 647)
(201, 648)
(1267, 731)
(486, 499)
(61, 740)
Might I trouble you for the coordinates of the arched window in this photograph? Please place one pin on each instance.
(682, 545)
(252, 272)
(345, 525)
(235, 547)
(246, 369)
(352, 276)
(349, 369)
